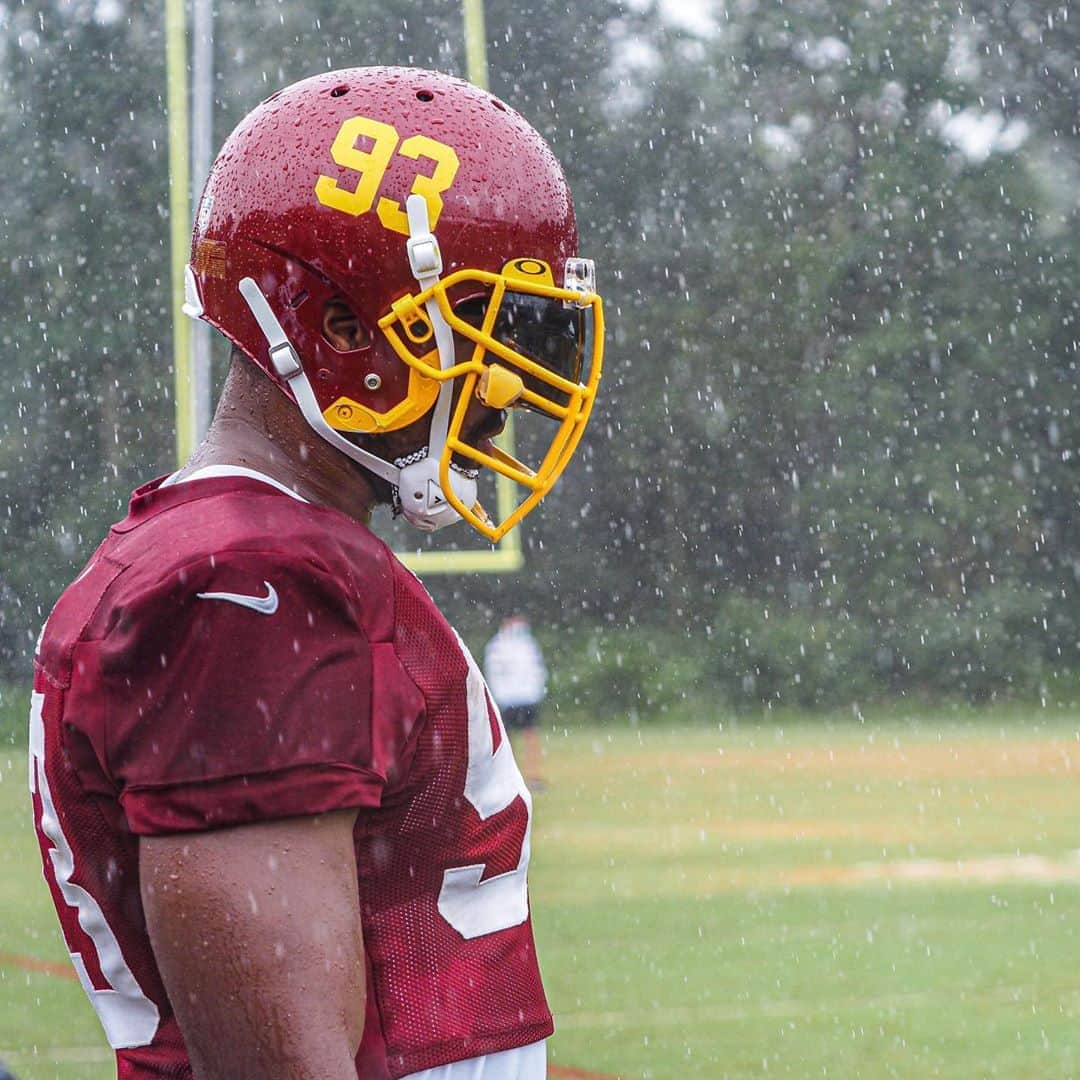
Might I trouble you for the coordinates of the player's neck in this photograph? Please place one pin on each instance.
(257, 427)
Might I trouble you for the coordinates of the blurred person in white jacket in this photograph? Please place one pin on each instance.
(517, 678)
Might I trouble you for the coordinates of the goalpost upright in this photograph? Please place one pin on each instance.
(191, 363)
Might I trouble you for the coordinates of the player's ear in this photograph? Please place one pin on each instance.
(342, 328)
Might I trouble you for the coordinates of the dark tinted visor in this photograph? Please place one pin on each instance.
(546, 331)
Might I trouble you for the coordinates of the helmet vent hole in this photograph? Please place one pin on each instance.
(298, 299)
(424, 95)
(498, 104)
(339, 91)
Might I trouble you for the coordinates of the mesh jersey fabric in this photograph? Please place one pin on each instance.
(159, 710)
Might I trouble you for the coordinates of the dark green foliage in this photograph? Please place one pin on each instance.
(14, 715)
(635, 674)
(835, 456)
(807, 658)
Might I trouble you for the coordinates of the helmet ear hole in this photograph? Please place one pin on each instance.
(341, 328)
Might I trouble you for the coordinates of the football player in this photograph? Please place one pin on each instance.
(516, 675)
(277, 807)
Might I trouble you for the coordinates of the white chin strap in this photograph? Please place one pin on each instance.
(422, 500)
(423, 503)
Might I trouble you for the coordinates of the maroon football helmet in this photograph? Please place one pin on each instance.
(432, 209)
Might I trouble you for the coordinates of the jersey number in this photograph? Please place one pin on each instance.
(471, 906)
(372, 165)
(128, 1016)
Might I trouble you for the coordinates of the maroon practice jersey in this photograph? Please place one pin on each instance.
(232, 654)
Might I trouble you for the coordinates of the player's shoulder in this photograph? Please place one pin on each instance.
(233, 535)
(226, 517)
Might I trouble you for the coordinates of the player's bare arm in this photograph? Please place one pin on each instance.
(257, 935)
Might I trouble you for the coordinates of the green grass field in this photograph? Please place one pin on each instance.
(890, 899)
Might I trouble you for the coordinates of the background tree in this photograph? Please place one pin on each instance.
(835, 450)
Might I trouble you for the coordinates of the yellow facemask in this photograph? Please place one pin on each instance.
(538, 347)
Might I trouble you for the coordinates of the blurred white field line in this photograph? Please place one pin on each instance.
(990, 869)
(702, 881)
(981, 870)
(794, 1008)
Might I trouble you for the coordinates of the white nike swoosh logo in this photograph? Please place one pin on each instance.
(264, 605)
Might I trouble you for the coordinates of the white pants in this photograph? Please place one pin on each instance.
(523, 1063)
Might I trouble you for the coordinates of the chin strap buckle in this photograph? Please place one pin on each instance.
(286, 362)
(425, 258)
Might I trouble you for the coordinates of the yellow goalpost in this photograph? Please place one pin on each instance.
(507, 554)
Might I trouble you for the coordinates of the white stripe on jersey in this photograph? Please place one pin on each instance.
(523, 1063)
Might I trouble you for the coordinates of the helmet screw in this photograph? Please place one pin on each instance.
(372, 381)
